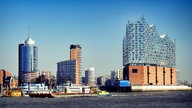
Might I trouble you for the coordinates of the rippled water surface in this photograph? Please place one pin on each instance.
(174, 99)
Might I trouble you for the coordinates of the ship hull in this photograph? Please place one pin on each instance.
(40, 94)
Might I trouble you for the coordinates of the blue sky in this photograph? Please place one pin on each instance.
(97, 25)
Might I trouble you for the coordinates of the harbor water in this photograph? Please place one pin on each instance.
(166, 99)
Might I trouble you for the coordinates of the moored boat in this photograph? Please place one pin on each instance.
(15, 93)
(41, 94)
(35, 90)
(104, 93)
(65, 95)
(12, 93)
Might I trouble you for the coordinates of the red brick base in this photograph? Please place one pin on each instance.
(150, 75)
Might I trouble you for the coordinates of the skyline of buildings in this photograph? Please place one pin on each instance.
(95, 26)
(143, 49)
(68, 70)
(148, 58)
(160, 50)
(27, 60)
(146, 55)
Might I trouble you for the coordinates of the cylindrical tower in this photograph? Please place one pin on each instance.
(28, 58)
(90, 77)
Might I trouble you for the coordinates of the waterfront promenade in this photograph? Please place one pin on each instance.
(167, 99)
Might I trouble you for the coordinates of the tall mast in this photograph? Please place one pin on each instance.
(28, 31)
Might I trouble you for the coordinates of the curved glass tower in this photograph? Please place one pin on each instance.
(28, 58)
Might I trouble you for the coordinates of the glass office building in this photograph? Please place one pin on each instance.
(70, 68)
(28, 58)
(66, 71)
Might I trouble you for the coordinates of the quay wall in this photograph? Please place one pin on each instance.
(160, 88)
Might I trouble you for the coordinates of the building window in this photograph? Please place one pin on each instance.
(134, 70)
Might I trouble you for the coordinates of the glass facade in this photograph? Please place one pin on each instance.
(28, 58)
(66, 71)
(142, 45)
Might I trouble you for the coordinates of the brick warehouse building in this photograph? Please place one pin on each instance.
(148, 58)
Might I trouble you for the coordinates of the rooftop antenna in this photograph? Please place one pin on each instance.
(28, 31)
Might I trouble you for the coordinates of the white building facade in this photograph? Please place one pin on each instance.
(90, 77)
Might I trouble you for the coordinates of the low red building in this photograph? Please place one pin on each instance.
(150, 75)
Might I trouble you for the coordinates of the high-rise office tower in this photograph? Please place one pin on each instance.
(70, 70)
(66, 71)
(75, 54)
(28, 58)
(148, 58)
(90, 77)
